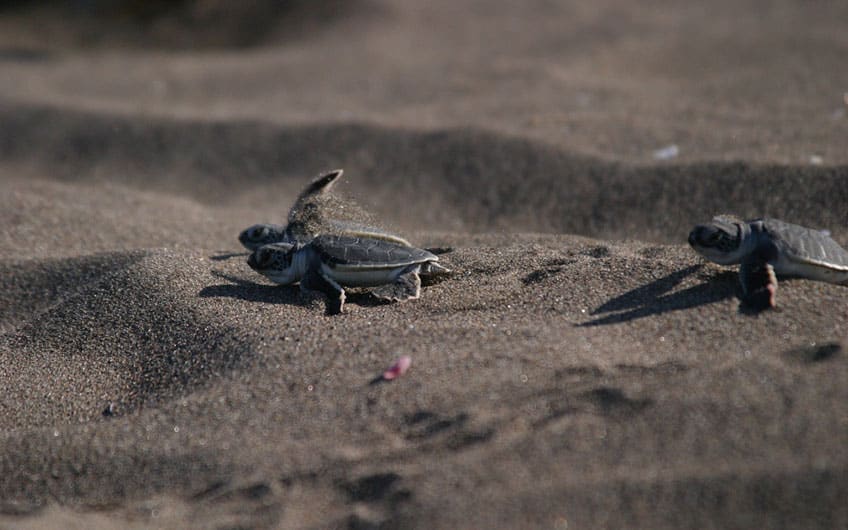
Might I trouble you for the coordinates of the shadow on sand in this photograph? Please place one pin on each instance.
(228, 255)
(654, 298)
(276, 294)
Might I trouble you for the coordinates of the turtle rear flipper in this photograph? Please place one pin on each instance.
(439, 250)
(406, 287)
(432, 273)
(314, 280)
(759, 284)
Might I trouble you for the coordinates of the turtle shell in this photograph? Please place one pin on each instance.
(354, 229)
(806, 245)
(362, 253)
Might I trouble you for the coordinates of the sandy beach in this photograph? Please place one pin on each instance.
(583, 367)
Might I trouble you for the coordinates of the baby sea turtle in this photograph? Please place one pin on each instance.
(306, 219)
(765, 247)
(330, 262)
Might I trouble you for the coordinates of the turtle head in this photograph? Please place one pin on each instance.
(261, 234)
(275, 262)
(719, 241)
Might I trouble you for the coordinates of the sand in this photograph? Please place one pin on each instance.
(582, 369)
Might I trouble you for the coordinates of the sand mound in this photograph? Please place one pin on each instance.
(122, 328)
(462, 179)
(547, 354)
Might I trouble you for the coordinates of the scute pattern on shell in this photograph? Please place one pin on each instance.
(354, 251)
(806, 244)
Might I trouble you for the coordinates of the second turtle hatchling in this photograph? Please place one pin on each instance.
(306, 219)
(768, 247)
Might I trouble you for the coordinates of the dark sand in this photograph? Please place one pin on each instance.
(583, 369)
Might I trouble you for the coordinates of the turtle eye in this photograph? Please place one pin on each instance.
(264, 257)
(258, 232)
(714, 237)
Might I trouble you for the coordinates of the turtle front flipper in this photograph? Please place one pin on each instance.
(321, 184)
(759, 284)
(406, 287)
(305, 216)
(316, 281)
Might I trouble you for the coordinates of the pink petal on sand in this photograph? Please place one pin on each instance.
(398, 368)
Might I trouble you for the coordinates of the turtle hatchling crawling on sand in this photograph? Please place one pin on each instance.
(330, 262)
(306, 220)
(765, 247)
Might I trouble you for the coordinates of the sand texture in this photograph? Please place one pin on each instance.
(583, 367)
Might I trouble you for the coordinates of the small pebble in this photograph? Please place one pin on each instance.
(399, 368)
(667, 153)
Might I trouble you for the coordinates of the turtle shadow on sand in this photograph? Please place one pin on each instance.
(275, 294)
(655, 298)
